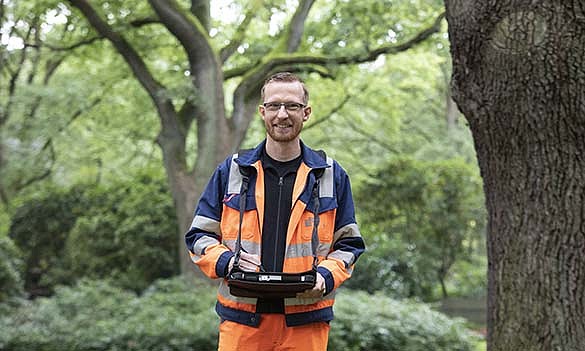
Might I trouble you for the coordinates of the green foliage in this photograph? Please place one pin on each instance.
(468, 277)
(97, 316)
(124, 231)
(39, 229)
(420, 218)
(376, 322)
(10, 270)
(128, 235)
(174, 315)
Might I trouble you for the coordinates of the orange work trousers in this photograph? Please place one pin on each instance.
(273, 334)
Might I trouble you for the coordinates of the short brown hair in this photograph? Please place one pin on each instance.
(285, 77)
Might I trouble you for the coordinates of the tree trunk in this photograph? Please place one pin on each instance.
(519, 79)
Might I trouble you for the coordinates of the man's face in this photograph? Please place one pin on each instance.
(284, 125)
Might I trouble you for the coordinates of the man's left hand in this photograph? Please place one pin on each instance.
(317, 291)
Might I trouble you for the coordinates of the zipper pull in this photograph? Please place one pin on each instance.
(280, 182)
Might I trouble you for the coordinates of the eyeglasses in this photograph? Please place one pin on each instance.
(289, 106)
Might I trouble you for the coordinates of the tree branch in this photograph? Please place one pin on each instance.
(200, 9)
(137, 23)
(189, 31)
(2, 12)
(5, 115)
(41, 176)
(51, 68)
(370, 136)
(137, 65)
(277, 60)
(330, 114)
(226, 52)
(140, 22)
(36, 59)
(49, 146)
(74, 116)
(297, 25)
(81, 43)
(187, 115)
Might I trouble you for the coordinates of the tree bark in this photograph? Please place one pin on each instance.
(519, 79)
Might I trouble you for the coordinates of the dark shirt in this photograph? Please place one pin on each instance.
(279, 180)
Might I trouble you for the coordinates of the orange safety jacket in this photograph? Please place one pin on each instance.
(212, 237)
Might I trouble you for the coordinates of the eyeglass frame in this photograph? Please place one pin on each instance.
(285, 104)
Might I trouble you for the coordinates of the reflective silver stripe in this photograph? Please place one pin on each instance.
(249, 246)
(348, 231)
(235, 178)
(207, 224)
(323, 249)
(299, 250)
(305, 250)
(230, 244)
(224, 291)
(296, 301)
(345, 256)
(326, 186)
(202, 243)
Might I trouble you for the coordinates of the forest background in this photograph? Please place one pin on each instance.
(89, 214)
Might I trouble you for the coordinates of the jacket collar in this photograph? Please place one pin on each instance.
(310, 157)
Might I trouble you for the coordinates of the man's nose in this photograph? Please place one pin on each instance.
(282, 112)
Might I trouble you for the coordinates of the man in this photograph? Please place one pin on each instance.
(277, 228)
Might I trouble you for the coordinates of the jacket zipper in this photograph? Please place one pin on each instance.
(280, 184)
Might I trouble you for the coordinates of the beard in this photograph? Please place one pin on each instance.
(284, 134)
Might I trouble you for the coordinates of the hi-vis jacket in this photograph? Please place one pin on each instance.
(212, 237)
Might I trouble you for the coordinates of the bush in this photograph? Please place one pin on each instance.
(420, 218)
(11, 266)
(128, 235)
(95, 315)
(175, 315)
(375, 322)
(125, 231)
(39, 229)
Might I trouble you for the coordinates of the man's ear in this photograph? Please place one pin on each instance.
(307, 113)
(261, 111)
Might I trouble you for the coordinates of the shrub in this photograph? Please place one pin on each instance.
(128, 235)
(420, 218)
(10, 270)
(125, 231)
(375, 322)
(95, 315)
(176, 315)
(39, 229)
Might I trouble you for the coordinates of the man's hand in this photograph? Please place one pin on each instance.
(248, 262)
(317, 291)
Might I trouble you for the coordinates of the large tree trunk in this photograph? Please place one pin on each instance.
(519, 79)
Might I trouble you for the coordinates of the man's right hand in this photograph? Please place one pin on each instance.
(248, 262)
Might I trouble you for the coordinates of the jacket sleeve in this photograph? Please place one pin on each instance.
(348, 243)
(204, 237)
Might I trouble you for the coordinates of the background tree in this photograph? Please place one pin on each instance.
(244, 63)
(426, 215)
(24, 74)
(518, 76)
